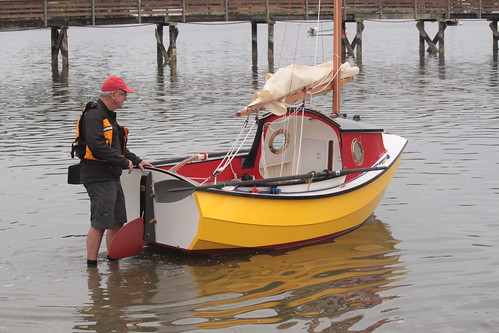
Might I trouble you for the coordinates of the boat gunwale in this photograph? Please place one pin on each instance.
(292, 197)
(305, 197)
(338, 122)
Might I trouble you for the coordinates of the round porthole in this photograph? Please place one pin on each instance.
(279, 141)
(357, 152)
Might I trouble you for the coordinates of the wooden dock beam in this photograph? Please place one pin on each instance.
(270, 44)
(254, 43)
(432, 43)
(165, 56)
(353, 49)
(495, 38)
(59, 43)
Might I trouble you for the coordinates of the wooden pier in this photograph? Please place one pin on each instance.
(61, 14)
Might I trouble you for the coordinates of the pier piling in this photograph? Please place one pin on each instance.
(270, 44)
(165, 56)
(432, 43)
(495, 37)
(59, 44)
(254, 43)
(353, 49)
(59, 15)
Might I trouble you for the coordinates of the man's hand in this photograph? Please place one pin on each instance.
(145, 164)
(130, 167)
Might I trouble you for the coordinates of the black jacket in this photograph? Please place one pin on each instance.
(117, 160)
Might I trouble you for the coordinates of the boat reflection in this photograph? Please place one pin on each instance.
(320, 281)
(324, 286)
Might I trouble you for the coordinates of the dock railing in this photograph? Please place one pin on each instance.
(39, 13)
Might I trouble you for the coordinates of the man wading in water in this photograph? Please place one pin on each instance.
(105, 158)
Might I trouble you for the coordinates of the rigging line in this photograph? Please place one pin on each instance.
(282, 44)
(263, 161)
(281, 124)
(285, 127)
(241, 145)
(325, 82)
(234, 174)
(298, 33)
(296, 48)
(232, 148)
(227, 161)
(218, 169)
(297, 38)
(337, 72)
(291, 122)
(316, 40)
(286, 29)
(309, 96)
(299, 139)
(285, 33)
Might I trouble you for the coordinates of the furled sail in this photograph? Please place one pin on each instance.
(293, 80)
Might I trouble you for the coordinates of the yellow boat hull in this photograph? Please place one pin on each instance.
(232, 221)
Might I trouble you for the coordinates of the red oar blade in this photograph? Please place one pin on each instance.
(129, 240)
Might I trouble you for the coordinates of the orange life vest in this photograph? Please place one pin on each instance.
(79, 145)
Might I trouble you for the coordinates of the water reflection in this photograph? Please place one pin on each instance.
(429, 59)
(494, 77)
(60, 76)
(451, 125)
(111, 294)
(321, 281)
(322, 286)
(161, 81)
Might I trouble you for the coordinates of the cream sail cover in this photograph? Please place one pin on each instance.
(295, 77)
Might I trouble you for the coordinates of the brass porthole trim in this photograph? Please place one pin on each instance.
(357, 152)
(279, 147)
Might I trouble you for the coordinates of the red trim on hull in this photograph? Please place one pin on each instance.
(307, 241)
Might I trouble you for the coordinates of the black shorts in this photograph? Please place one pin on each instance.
(107, 204)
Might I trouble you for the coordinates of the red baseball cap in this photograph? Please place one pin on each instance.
(115, 83)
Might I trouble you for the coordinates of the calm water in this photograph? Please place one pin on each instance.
(426, 262)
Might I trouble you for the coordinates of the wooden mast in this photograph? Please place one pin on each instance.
(337, 28)
(306, 91)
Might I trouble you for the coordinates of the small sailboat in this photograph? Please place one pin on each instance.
(307, 176)
(313, 32)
